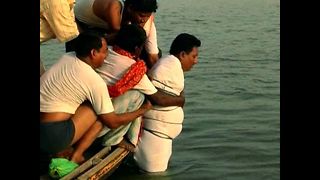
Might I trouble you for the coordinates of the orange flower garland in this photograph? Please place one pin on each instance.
(131, 78)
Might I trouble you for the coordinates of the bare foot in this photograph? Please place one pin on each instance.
(65, 153)
(126, 145)
(79, 159)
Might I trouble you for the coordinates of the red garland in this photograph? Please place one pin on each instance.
(131, 78)
(123, 52)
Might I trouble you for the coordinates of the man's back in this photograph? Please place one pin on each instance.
(167, 75)
(70, 82)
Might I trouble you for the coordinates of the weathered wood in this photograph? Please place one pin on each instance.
(106, 166)
(94, 160)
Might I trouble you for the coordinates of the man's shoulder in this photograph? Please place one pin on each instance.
(168, 61)
(68, 55)
(119, 59)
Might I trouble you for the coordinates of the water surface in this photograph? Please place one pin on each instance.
(232, 111)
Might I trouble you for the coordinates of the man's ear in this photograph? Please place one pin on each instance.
(182, 54)
(93, 53)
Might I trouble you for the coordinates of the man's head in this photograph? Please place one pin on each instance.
(139, 11)
(185, 48)
(93, 46)
(131, 38)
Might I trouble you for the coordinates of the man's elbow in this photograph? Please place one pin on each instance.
(111, 122)
(153, 58)
(112, 125)
(154, 99)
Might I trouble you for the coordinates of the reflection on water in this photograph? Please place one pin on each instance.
(231, 127)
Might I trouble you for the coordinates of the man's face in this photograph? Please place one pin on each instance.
(188, 60)
(101, 54)
(140, 18)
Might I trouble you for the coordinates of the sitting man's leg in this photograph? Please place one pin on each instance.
(128, 102)
(87, 128)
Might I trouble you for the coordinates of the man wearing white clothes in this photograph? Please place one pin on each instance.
(118, 67)
(163, 124)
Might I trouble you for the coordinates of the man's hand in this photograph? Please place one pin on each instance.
(182, 95)
(146, 105)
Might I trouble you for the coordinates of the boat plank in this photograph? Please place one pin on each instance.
(106, 166)
(94, 160)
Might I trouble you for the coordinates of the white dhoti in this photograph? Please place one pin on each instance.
(161, 124)
(160, 127)
(155, 157)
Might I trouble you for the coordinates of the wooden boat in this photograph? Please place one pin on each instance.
(100, 166)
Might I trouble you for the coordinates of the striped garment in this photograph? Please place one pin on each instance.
(57, 20)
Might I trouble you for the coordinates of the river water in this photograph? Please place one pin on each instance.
(232, 111)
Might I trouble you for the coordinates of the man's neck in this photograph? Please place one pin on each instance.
(86, 60)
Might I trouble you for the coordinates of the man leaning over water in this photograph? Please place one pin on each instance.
(123, 71)
(109, 15)
(163, 124)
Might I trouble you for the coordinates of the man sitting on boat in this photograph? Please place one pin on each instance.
(74, 100)
(124, 70)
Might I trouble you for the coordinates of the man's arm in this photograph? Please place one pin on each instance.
(163, 99)
(151, 59)
(151, 44)
(113, 16)
(113, 120)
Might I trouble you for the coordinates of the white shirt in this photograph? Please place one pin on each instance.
(68, 83)
(167, 74)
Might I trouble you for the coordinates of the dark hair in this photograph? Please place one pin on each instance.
(142, 5)
(184, 42)
(130, 36)
(87, 41)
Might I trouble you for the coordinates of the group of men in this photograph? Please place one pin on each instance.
(106, 88)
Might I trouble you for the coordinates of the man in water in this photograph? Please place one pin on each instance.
(163, 124)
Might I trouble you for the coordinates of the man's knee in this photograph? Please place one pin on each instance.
(98, 126)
